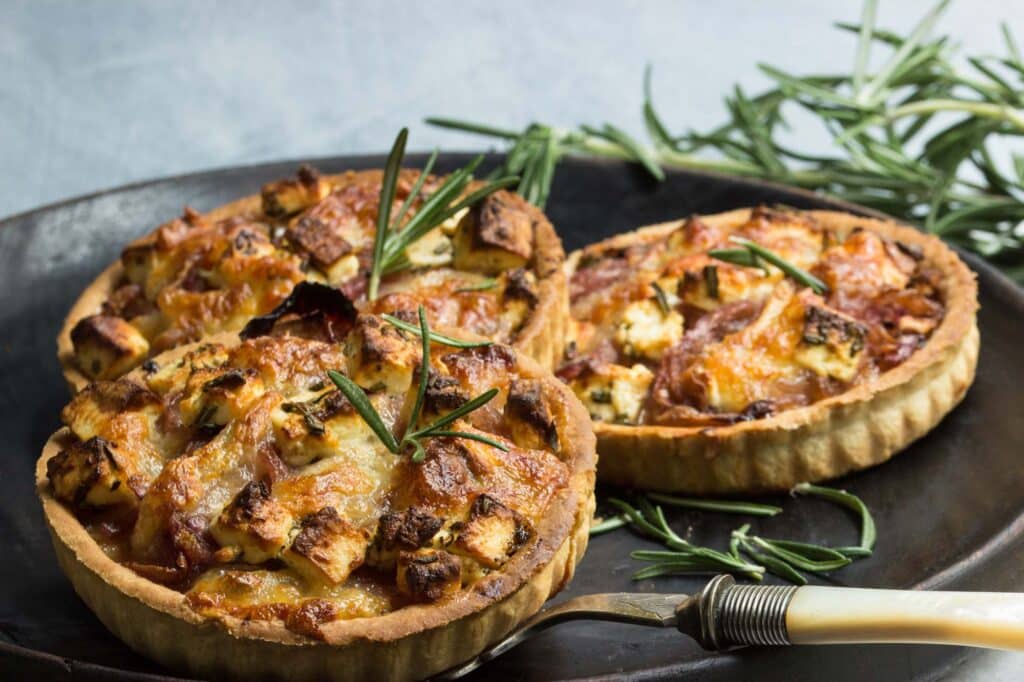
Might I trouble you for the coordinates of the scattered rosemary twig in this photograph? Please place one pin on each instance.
(914, 136)
(413, 438)
(783, 558)
(753, 253)
(394, 236)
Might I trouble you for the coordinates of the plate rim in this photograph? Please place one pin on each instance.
(1001, 286)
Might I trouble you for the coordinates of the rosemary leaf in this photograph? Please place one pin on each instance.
(365, 408)
(742, 257)
(662, 299)
(608, 525)
(442, 339)
(421, 388)
(458, 412)
(470, 436)
(850, 501)
(726, 506)
(415, 191)
(483, 285)
(387, 198)
(799, 274)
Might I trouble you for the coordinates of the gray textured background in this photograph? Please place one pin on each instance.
(97, 94)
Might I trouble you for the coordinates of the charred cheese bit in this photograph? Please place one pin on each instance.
(327, 548)
(256, 526)
(215, 396)
(831, 343)
(432, 250)
(518, 297)
(381, 356)
(309, 430)
(645, 331)
(94, 473)
(286, 197)
(495, 235)
(614, 393)
(528, 416)
(406, 530)
(93, 407)
(428, 575)
(106, 347)
(164, 378)
(492, 534)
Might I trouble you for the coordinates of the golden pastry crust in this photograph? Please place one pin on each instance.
(413, 641)
(535, 326)
(855, 429)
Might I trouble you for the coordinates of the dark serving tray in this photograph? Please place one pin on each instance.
(949, 508)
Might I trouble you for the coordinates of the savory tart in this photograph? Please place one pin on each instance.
(493, 269)
(226, 510)
(755, 349)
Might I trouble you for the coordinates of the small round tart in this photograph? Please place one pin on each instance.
(707, 369)
(494, 270)
(227, 511)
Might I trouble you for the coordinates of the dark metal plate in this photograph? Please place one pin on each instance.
(948, 509)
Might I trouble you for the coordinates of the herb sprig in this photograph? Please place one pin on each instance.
(394, 236)
(748, 554)
(751, 254)
(413, 438)
(914, 136)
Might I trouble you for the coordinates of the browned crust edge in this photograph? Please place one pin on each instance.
(411, 643)
(854, 430)
(542, 337)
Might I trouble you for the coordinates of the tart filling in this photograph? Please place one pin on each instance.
(484, 270)
(682, 328)
(238, 475)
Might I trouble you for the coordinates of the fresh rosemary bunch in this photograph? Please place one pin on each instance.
(413, 438)
(748, 555)
(914, 137)
(393, 236)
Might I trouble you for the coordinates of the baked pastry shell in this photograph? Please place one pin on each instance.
(542, 336)
(854, 430)
(410, 643)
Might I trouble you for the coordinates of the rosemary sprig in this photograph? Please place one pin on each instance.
(753, 253)
(442, 339)
(913, 136)
(394, 236)
(686, 557)
(413, 438)
(783, 558)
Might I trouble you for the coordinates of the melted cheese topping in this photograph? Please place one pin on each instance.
(741, 342)
(242, 477)
(194, 277)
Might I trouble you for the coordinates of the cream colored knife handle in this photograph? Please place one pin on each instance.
(726, 615)
(838, 615)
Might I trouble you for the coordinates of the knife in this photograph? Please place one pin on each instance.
(725, 616)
